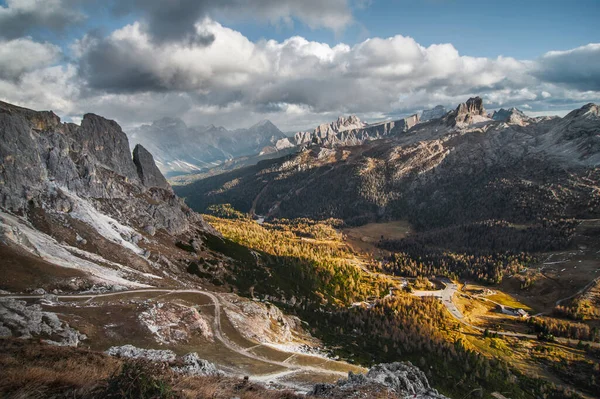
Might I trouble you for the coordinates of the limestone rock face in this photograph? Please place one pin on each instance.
(46, 162)
(348, 131)
(400, 378)
(512, 115)
(17, 319)
(189, 364)
(147, 170)
(106, 141)
(467, 113)
(131, 352)
(193, 365)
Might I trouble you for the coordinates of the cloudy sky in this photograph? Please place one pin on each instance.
(297, 63)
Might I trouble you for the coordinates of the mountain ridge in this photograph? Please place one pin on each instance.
(451, 158)
(179, 148)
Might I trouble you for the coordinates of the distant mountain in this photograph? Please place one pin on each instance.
(179, 149)
(512, 115)
(462, 168)
(347, 131)
(435, 113)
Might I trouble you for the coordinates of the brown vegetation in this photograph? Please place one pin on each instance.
(29, 369)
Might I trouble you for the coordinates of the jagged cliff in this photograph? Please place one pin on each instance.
(347, 131)
(43, 158)
(76, 196)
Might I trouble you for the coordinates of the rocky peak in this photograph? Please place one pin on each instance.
(340, 125)
(41, 121)
(589, 110)
(108, 143)
(473, 106)
(213, 128)
(265, 123)
(66, 164)
(512, 115)
(467, 113)
(147, 170)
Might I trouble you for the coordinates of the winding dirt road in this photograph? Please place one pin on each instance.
(218, 333)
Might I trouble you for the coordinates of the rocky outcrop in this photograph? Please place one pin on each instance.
(512, 115)
(131, 352)
(342, 124)
(189, 364)
(261, 322)
(17, 319)
(435, 113)
(192, 365)
(172, 323)
(104, 139)
(352, 131)
(147, 171)
(400, 378)
(467, 113)
(47, 164)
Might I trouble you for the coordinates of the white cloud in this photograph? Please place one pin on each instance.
(233, 81)
(51, 88)
(23, 55)
(577, 68)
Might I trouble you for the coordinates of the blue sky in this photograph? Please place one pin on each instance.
(298, 63)
(513, 28)
(517, 28)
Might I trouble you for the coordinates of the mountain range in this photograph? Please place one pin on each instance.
(462, 167)
(179, 149)
(99, 252)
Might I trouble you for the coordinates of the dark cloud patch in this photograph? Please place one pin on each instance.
(119, 67)
(20, 18)
(578, 68)
(169, 21)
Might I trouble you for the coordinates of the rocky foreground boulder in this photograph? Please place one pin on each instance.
(399, 378)
(189, 364)
(20, 320)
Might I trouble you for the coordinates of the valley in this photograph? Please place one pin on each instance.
(107, 320)
(441, 243)
(282, 199)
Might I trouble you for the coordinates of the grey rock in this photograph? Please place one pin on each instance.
(193, 365)
(17, 319)
(150, 230)
(348, 131)
(189, 364)
(42, 158)
(131, 352)
(147, 170)
(109, 145)
(401, 378)
(512, 115)
(467, 112)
